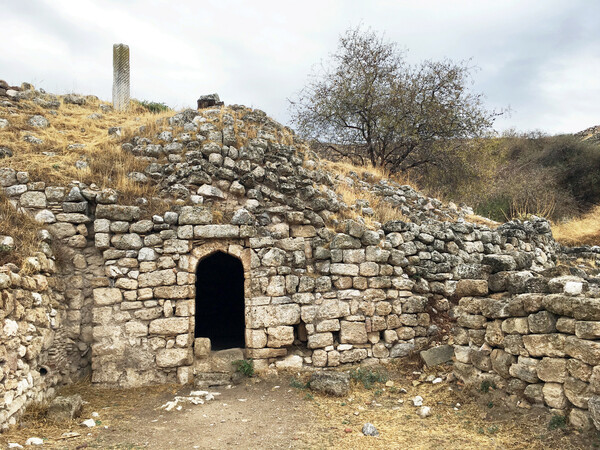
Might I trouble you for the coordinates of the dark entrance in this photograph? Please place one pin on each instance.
(220, 301)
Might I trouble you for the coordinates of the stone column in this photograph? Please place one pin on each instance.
(120, 76)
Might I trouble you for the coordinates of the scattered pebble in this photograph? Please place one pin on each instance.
(347, 430)
(14, 445)
(369, 429)
(436, 380)
(95, 414)
(424, 411)
(417, 401)
(34, 441)
(88, 423)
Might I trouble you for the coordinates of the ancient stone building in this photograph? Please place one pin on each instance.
(257, 256)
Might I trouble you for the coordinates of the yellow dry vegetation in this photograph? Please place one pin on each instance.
(584, 230)
(350, 194)
(54, 162)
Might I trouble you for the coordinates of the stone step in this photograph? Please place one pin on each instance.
(217, 369)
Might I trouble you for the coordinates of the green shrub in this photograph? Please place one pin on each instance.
(368, 377)
(244, 366)
(153, 107)
(557, 421)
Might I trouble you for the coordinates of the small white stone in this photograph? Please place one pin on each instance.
(14, 445)
(95, 414)
(573, 287)
(418, 400)
(90, 423)
(437, 380)
(34, 441)
(424, 411)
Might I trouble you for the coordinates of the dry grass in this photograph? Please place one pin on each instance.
(480, 220)
(108, 164)
(22, 228)
(114, 407)
(481, 421)
(581, 231)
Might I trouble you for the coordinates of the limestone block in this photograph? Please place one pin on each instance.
(353, 356)
(581, 419)
(73, 218)
(157, 278)
(545, 344)
(263, 353)
(583, 350)
(579, 370)
(328, 325)
(534, 393)
(587, 330)
(202, 347)
(118, 212)
(525, 370)
(256, 338)
(542, 322)
(173, 292)
(170, 326)
(481, 359)
(344, 241)
(495, 308)
(402, 349)
(216, 231)
(320, 340)
(584, 308)
(516, 325)
(174, 357)
(466, 288)
(290, 362)
(274, 257)
(566, 325)
(353, 332)
(578, 392)
(281, 336)
(501, 362)
(493, 333)
(273, 315)
(130, 241)
(353, 256)
(344, 269)
(176, 246)
(107, 296)
(319, 358)
(136, 329)
(33, 199)
(126, 283)
(553, 370)
(472, 321)
(305, 231)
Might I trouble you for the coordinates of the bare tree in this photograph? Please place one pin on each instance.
(369, 104)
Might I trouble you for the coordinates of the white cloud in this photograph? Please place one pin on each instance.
(541, 58)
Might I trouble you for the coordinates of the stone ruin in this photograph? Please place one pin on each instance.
(254, 260)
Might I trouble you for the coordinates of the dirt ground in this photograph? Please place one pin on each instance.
(280, 412)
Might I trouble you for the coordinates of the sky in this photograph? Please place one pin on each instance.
(539, 58)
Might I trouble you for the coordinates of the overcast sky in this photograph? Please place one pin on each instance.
(540, 58)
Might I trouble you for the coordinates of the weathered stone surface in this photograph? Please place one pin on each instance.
(466, 288)
(501, 362)
(554, 395)
(552, 370)
(581, 420)
(587, 330)
(542, 322)
(353, 332)
(33, 199)
(525, 370)
(63, 409)
(586, 351)
(516, 325)
(118, 212)
(157, 278)
(216, 231)
(332, 383)
(578, 392)
(195, 215)
(545, 344)
(281, 336)
(437, 355)
(174, 357)
(170, 326)
(499, 263)
(594, 407)
(107, 296)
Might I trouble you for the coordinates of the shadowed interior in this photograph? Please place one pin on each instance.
(220, 301)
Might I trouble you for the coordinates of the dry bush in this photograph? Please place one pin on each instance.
(22, 228)
(581, 231)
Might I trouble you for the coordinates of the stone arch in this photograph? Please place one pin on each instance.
(222, 285)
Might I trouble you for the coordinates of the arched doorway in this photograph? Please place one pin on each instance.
(220, 301)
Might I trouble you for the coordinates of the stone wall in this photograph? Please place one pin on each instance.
(536, 338)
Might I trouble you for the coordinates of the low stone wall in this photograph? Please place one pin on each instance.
(537, 338)
(36, 350)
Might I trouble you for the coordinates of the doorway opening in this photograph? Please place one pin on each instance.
(220, 301)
